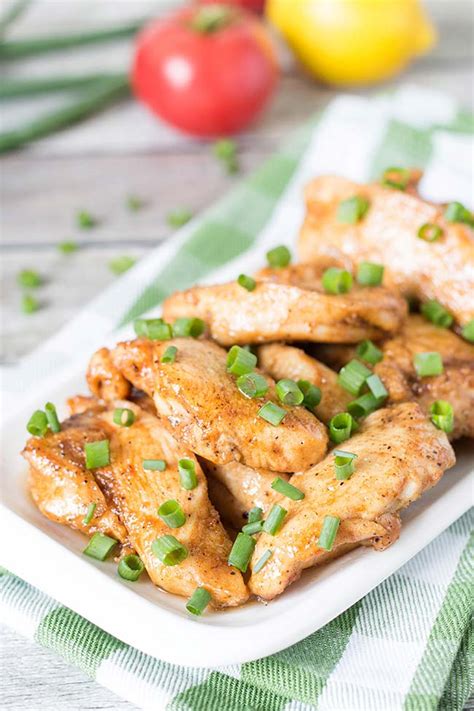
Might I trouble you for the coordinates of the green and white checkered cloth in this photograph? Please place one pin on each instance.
(407, 644)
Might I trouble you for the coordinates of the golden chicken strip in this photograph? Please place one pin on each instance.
(282, 361)
(199, 402)
(290, 305)
(400, 454)
(388, 234)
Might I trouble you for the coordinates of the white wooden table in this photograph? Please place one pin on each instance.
(95, 167)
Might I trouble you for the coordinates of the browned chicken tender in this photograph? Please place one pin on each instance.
(289, 304)
(104, 379)
(388, 235)
(199, 402)
(400, 454)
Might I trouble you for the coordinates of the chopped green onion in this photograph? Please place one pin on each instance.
(29, 279)
(178, 218)
(29, 304)
(121, 264)
(368, 351)
(398, 178)
(369, 274)
(262, 561)
(289, 393)
(287, 489)
(377, 388)
(89, 514)
(352, 376)
(246, 282)
(130, 567)
(336, 281)
(134, 203)
(468, 331)
(427, 364)
(274, 520)
(184, 327)
(436, 313)
(226, 151)
(329, 532)
(430, 232)
(364, 405)
(52, 417)
(252, 528)
(242, 550)
(272, 413)
(311, 394)
(97, 453)
(198, 601)
(442, 415)
(255, 514)
(172, 514)
(153, 328)
(343, 464)
(352, 210)
(68, 247)
(85, 220)
(124, 417)
(38, 424)
(240, 361)
(100, 546)
(187, 474)
(154, 465)
(456, 212)
(169, 550)
(252, 385)
(341, 427)
(279, 257)
(169, 356)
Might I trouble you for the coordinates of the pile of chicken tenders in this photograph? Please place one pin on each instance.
(273, 423)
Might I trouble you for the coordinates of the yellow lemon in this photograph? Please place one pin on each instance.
(353, 41)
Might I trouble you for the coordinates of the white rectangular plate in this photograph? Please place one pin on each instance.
(49, 556)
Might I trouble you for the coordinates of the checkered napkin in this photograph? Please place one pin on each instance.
(405, 645)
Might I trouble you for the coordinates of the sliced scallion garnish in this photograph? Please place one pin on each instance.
(97, 454)
(436, 313)
(169, 356)
(363, 406)
(29, 304)
(198, 601)
(255, 514)
(154, 465)
(241, 552)
(428, 364)
(169, 550)
(344, 464)
(121, 264)
(272, 413)
(289, 392)
(369, 274)
(456, 212)
(37, 424)
(130, 567)
(252, 528)
(240, 361)
(262, 561)
(274, 520)
(442, 415)
(84, 220)
(187, 474)
(311, 394)
(172, 514)
(341, 427)
(247, 282)
(89, 514)
(328, 532)
(352, 376)
(123, 417)
(252, 385)
(279, 257)
(368, 352)
(52, 417)
(397, 178)
(352, 209)
(430, 232)
(377, 388)
(287, 489)
(188, 327)
(468, 331)
(29, 279)
(336, 281)
(153, 328)
(100, 546)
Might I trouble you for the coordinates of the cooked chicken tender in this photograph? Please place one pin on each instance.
(289, 304)
(200, 403)
(400, 454)
(388, 235)
(104, 380)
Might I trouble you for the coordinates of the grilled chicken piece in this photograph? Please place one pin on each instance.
(199, 401)
(282, 361)
(103, 378)
(400, 455)
(235, 489)
(61, 486)
(289, 304)
(388, 234)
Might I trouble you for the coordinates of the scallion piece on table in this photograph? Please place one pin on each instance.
(456, 212)
(121, 264)
(352, 210)
(172, 514)
(241, 552)
(369, 274)
(29, 279)
(89, 514)
(247, 282)
(29, 304)
(436, 313)
(287, 489)
(336, 281)
(130, 567)
(252, 385)
(184, 327)
(179, 217)
(100, 546)
(240, 361)
(468, 331)
(262, 561)
(169, 356)
(198, 601)
(169, 550)
(341, 427)
(289, 392)
(123, 416)
(85, 220)
(255, 514)
(430, 232)
(97, 453)
(226, 149)
(352, 376)
(52, 417)
(279, 257)
(274, 520)
(397, 178)
(368, 352)
(344, 464)
(153, 328)
(329, 532)
(376, 387)
(272, 413)
(363, 406)
(311, 394)
(442, 415)
(187, 474)
(68, 247)
(252, 528)
(427, 364)
(154, 465)
(37, 424)
(134, 203)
